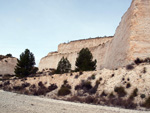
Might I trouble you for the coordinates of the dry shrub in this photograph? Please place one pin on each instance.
(128, 85)
(133, 94)
(6, 83)
(120, 91)
(76, 76)
(24, 85)
(129, 67)
(138, 61)
(85, 85)
(147, 103)
(18, 88)
(63, 91)
(52, 87)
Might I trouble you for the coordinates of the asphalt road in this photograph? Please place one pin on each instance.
(16, 103)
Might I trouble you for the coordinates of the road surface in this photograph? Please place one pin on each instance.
(17, 103)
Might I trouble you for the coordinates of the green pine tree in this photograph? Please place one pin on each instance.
(64, 66)
(84, 61)
(25, 65)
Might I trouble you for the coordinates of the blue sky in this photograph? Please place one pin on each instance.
(40, 25)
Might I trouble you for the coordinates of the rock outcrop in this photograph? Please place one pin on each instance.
(131, 40)
(132, 37)
(70, 50)
(7, 66)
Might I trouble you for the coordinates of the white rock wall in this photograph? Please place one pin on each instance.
(132, 37)
(75, 46)
(7, 66)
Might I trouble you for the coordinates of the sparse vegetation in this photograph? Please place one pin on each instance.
(120, 91)
(128, 85)
(142, 96)
(100, 78)
(138, 61)
(147, 103)
(86, 85)
(52, 87)
(133, 94)
(9, 55)
(65, 81)
(111, 95)
(112, 75)
(92, 77)
(81, 72)
(64, 90)
(76, 76)
(129, 67)
(144, 70)
(103, 94)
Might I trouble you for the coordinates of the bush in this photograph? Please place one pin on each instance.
(76, 76)
(147, 60)
(103, 94)
(112, 75)
(84, 61)
(142, 96)
(40, 84)
(52, 87)
(81, 72)
(6, 83)
(100, 79)
(24, 85)
(129, 67)
(64, 66)
(65, 81)
(63, 91)
(120, 91)
(41, 91)
(111, 95)
(144, 70)
(147, 103)
(9, 55)
(18, 88)
(90, 99)
(133, 94)
(138, 61)
(87, 87)
(128, 85)
(92, 77)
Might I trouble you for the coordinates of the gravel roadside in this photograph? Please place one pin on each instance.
(17, 103)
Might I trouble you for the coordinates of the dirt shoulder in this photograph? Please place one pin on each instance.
(17, 103)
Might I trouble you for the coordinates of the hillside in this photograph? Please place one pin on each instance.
(133, 81)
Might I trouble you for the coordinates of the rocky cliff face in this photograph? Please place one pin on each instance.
(7, 66)
(75, 46)
(132, 37)
(70, 50)
(131, 40)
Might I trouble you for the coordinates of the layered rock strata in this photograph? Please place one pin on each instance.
(132, 37)
(70, 50)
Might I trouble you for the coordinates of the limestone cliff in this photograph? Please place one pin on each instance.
(70, 50)
(7, 66)
(131, 40)
(132, 37)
